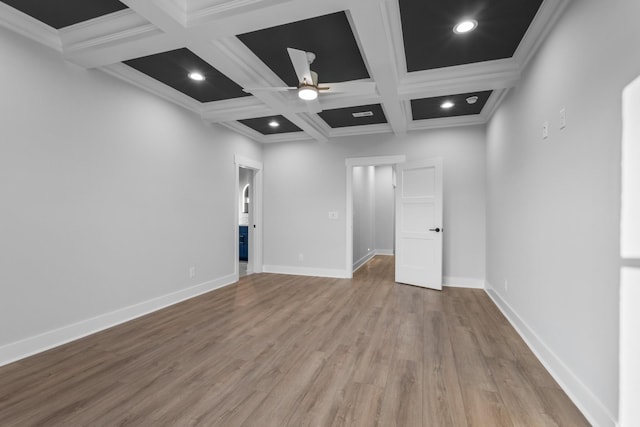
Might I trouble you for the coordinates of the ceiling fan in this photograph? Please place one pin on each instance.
(308, 87)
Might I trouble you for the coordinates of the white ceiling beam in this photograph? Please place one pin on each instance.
(491, 75)
(371, 29)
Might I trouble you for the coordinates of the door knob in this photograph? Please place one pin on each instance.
(437, 229)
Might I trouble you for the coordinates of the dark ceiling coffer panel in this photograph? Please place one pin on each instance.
(354, 116)
(271, 125)
(173, 68)
(63, 13)
(429, 40)
(432, 108)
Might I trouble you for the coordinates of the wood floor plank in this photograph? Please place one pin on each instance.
(278, 350)
(442, 397)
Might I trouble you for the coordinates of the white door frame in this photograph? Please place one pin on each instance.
(350, 164)
(255, 225)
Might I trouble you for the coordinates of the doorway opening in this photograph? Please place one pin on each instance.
(373, 213)
(248, 212)
(361, 195)
(245, 187)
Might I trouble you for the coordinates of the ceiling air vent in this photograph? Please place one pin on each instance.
(362, 114)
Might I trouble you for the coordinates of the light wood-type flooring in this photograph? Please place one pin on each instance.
(276, 350)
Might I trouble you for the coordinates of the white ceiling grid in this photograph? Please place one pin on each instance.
(208, 28)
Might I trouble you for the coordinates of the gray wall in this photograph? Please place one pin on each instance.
(553, 206)
(306, 180)
(363, 214)
(373, 212)
(384, 210)
(109, 196)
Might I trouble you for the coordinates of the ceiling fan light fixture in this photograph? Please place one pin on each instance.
(465, 26)
(194, 75)
(307, 93)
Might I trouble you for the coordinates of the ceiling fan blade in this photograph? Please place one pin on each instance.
(300, 64)
(351, 87)
(268, 89)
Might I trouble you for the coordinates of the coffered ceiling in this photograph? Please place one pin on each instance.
(406, 50)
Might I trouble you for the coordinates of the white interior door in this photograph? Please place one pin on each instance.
(419, 223)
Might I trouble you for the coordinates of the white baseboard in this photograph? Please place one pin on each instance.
(305, 271)
(463, 282)
(362, 261)
(29, 346)
(590, 406)
(388, 252)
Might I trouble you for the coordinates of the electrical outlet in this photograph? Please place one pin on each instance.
(192, 272)
(563, 118)
(300, 257)
(545, 130)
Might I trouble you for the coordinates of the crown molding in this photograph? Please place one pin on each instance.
(244, 130)
(266, 139)
(493, 103)
(29, 27)
(141, 80)
(546, 18)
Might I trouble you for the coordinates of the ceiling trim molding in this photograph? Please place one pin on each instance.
(209, 28)
(460, 79)
(319, 124)
(369, 19)
(360, 130)
(201, 12)
(476, 119)
(492, 103)
(247, 107)
(117, 27)
(266, 139)
(332, 101)
(177, 9)
(244, 130)
(546, 18)
(29, 27)
(394, 25)
(143, 81)
(287, 137)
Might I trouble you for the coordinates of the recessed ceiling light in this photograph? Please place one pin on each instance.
(274, 124)
(472, 100)
(196, 76)
(465, 26)
(307, 93)
(447, 104)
